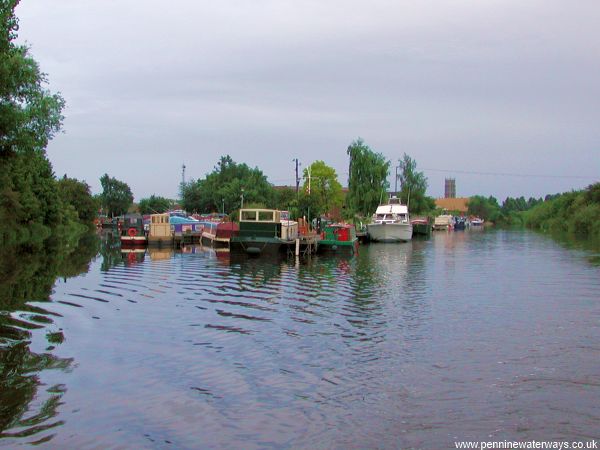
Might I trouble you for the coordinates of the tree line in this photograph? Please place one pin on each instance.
(232, 185)
(34, 205)
(576, 212)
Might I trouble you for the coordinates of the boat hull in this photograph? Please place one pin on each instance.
(133, 241)
(338, 247)
(390, 232)
(421, 229)
(257, 246)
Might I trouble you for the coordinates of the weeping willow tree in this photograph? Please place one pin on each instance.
(413, 187)
(367, 179)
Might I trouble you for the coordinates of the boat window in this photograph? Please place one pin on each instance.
(265, 216)
(248, 215)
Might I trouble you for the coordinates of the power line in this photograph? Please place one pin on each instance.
(503, 174)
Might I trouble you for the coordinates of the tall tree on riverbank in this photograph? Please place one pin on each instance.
(225, 187)
(367, 179)
(116, 196)
(154, 205)
(30, 115)
(413, 186)
(486, 208)
(77, 194)
(325, 189)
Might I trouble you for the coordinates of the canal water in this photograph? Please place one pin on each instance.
(467, 336)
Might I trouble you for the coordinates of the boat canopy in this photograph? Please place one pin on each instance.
(392, 208)
(177, 220)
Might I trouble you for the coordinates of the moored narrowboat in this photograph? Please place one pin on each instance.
(261, 231)
(338, 238)
(218, 234)
(444, 222)
(160, 230)
(132, 231)
(421, 226)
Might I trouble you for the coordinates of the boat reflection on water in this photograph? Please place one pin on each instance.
(131, 256)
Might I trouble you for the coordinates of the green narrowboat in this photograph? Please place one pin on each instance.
(338, 238)
(262, 231)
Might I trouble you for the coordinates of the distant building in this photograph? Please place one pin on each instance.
(460, 205)
(450, 188)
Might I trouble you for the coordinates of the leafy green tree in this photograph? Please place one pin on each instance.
(513, 209)
(225, 187)
(413, 186)
(367, 180)
(486, 208)
(77, 194)
(29, 114)
(285, 198)
(592, 194)
(154, 205)
(325, 189)
(309, 206)
(577, 213)
(30, 207)
(116, 195)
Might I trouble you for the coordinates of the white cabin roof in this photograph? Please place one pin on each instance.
(392, 208)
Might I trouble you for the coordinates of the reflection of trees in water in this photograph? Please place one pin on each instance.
(589, 245)
(27, 277)
(110, 249)
(19, 384)
(260, 270)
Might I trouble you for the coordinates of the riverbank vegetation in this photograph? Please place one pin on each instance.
(576, 212)
(34, 205)
(232, 185)
(413, 188)
(155, 204)
(116, 197)
(226, 188)
(367, 179)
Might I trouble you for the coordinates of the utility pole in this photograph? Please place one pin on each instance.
(182, 181)
(396, 183)
(297, 179)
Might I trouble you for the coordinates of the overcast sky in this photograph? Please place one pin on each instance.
(481, 86)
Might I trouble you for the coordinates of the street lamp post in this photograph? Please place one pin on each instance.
(242, 199)
(223, 202)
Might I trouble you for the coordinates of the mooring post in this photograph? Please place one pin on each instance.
(297, 247)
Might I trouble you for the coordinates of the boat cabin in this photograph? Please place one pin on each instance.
(392, 212)
(338, 237)
(132, 231)
(266, 223)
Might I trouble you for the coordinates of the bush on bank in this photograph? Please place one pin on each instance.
(576, 212)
